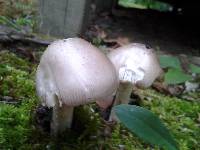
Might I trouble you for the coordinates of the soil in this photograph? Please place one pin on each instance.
(167, 32)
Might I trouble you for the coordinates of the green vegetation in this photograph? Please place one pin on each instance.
(15, 81)
(180, 116)
(146, 4)
(18, 129)
(176, 76)
(18, 14)
(146, 125)
(175, 73)
(15, 76)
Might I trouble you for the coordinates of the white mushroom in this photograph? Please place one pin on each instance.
(136, 64)
(73, 72)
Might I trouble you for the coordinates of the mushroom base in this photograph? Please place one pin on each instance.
(61, 118)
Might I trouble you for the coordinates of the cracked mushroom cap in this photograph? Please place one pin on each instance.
(74, 72)
(136, 63)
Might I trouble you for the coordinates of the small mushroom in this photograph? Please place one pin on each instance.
(137, 65)
(73, 72)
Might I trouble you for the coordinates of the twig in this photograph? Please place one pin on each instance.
(6, 102)
(10, 35)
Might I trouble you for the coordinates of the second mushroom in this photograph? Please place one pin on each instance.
(136, 65)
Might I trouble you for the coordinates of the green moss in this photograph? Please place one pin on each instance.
(8, 58)
(18, 129)
(180, 116)
(15, 125)
(15, 81)
(16, 76)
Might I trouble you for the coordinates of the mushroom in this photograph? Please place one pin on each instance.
(137, 65)
(73, 72)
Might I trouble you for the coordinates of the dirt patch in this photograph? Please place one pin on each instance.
(168, 32)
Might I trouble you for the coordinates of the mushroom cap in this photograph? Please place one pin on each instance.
(136, 63)
(74, 72)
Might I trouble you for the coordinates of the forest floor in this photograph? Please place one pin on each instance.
(166, 32)
(24, 124)
(20, 129)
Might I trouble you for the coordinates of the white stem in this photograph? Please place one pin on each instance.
(123, 93)
(61, 118)
(122, 97)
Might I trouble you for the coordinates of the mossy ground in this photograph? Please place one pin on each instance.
(18, 129)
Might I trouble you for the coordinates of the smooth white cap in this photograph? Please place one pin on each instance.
(136, 63)
(76, 72)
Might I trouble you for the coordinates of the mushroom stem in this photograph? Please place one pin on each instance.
(61, 118)
(122, 97)
(123, 93)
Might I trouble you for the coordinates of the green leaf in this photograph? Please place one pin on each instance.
(169, 61)
(146, 4)
(146, 125)
(133, 4)
(176, 76)
(160, 6)
(194, 68)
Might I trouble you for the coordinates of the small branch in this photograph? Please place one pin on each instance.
(11, 35)
(6, 102)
